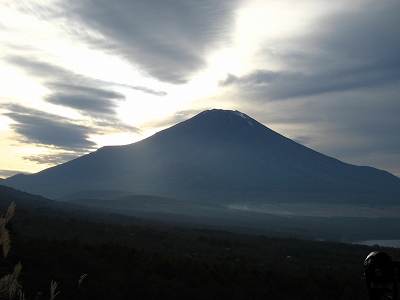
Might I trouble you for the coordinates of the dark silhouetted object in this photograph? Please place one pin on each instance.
(381, 274)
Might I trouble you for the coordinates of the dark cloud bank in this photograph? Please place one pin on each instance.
(47, 129)
(354, 50)
(166, 39)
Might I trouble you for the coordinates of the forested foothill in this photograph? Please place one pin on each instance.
(131, 258)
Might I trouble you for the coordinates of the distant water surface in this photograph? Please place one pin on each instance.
(312, 209)
(383, 243)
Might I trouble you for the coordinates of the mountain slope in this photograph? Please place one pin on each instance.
(218, 156)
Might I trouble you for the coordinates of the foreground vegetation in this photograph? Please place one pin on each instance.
(134, 259)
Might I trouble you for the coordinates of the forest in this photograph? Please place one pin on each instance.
(92, 255)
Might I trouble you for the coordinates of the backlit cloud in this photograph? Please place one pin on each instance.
(90, 96)
(44, 128)
(165, 39)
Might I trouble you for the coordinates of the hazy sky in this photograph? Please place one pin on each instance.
(78, 75)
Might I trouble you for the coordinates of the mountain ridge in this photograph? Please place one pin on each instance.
(217, 155)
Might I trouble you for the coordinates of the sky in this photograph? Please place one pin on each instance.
(81, 74)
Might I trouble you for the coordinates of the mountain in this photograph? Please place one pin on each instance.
(217, 156)
(96, 194)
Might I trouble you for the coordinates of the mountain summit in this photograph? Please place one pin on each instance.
(217, 156)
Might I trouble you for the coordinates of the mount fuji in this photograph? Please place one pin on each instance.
(218, 156)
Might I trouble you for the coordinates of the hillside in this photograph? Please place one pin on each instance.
(165, 213)
(128, 258)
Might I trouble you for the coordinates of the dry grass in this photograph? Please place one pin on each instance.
(10, 288)
(5, 239)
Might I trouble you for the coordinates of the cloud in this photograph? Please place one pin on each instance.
(286, 84)
(8, 173)
(92, 97)
(173, 119)
(302, 139)
(165, 39)
(48, 130)
(142, 89)
(64, 138)
(369, 34)
(258, 77)
(347, 50)
(52, 159)
(85, 99)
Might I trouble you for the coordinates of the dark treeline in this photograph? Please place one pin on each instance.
(134, 259)
(122, 272)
